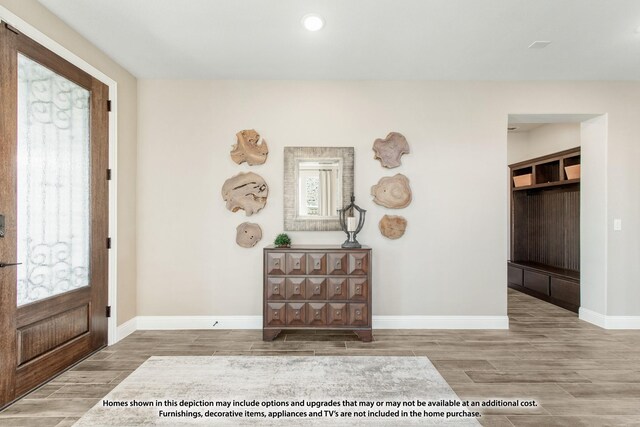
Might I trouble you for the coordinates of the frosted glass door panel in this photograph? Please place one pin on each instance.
(53, 183)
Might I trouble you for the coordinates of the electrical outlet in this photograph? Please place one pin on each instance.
(617, 224)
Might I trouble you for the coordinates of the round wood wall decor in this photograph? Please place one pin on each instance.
(247, 191)
(392, 192)
(392, 226)
(248, 234)
(248, 148)
(390, 150)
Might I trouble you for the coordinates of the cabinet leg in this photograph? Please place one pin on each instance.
(270, 334)
(365, 336)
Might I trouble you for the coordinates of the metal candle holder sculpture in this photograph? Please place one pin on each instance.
(348, 223)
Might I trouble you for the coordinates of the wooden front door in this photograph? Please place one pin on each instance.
(53, 214)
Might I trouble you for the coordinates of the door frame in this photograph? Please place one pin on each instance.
(593, 222)
(36, 35)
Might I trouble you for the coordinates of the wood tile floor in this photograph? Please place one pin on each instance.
(579, 374)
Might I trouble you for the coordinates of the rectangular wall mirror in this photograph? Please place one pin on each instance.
(317, 182)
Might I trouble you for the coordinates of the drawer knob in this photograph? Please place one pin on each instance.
(297, 289)
(276, 314)
(275, 289)
(297, 314)
(337, 313)
(297, 263)
(338, 264)
(277, 262)
(338, 288)
(317, 314)
(358, 289)
(316, 265)
(358, 312)
(317, 288)
(359, 263)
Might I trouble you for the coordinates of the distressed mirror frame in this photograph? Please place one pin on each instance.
(292, 156)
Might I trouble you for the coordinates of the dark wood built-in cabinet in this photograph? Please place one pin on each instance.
(317, 287)
(545, 229)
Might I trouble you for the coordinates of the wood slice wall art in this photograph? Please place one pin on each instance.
(392, 192)
(249, 148)
(392, 226)
(247, 191)
(248, 234)
(390, 150)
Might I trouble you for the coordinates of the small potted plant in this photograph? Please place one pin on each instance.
(282, 241)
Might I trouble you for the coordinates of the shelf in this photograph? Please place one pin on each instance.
(546, 171)
(548, 184)
(545, 228)
(548, 269)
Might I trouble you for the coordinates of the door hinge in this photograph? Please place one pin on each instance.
(108, 105)
(108, 242)
(108, 311)
(108, 174)
(10, 28)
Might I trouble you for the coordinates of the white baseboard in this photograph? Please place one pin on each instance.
(592, 317)
(199, 322)
(126, 329)
(609, 322)
(379, 322)
(440, 322)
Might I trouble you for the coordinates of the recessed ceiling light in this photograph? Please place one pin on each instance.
(312, 22)
(539, 44)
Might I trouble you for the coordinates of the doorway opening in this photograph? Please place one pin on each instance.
(548, 157)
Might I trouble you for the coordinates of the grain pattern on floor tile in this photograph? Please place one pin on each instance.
(31, 421)
(542, 393)
(572, 421)
(68, 422)
(82, 391)
(461, 354)
(527, 377)
(365, 352)
(455, 376)
(468, 364)
(121, 376)
(86, 377)
(565, 364)
(297, 345)
(599, 391)
(44, 391)
(265, 353)
(106, 365)
(593, 407)
(49, 408)
(611, 376)
(495, 421)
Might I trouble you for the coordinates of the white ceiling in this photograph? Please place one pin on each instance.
(364, 39)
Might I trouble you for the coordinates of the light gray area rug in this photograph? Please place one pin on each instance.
(274, 390)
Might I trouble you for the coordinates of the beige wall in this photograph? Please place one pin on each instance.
(450, 262)
(546, 139)
(452, 259)
(37, 16)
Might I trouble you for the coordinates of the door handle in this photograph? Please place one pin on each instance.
(8, 264)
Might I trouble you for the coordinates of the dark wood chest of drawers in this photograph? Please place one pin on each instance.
(317, 287)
